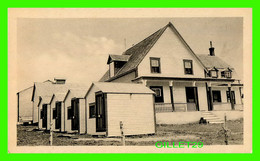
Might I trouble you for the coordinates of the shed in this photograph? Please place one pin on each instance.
(45, 111)
(74, 110)
(57, 111)
(108, 104)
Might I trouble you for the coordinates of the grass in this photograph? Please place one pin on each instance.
(208, 134)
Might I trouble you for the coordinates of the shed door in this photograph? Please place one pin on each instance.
(58, 116)
(75, 117)
(44, 118)
(100, 113)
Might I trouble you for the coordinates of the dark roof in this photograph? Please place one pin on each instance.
(117, 58)
(213, 61)
(139, 51)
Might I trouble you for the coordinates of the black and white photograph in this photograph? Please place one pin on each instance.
(166, 80)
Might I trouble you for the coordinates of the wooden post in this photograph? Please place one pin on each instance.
(51, 135)
(122, 133)
(225, 129)
(231, 98)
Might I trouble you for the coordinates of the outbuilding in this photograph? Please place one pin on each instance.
(108, 104)
(45, 111)
(74, 110)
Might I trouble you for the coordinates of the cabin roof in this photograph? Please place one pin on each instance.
(111, 87)
(123, 58)
(45, 100)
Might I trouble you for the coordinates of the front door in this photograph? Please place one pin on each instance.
(58, 116)
(44, 116)
(100, 113)
(75, 116)
(192, 99)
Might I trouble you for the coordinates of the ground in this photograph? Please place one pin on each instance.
(208, 134)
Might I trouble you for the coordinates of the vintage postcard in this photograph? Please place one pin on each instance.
(110, 80)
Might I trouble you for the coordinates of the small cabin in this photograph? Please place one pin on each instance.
(44, 112)
(108, 104)
(74, 113)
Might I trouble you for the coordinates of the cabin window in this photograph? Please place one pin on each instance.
(216, 96)
(70, 113)
(54, 113)
(214, 73)
(188, 69)
(92, 110)
(155, 65)
(158, 90)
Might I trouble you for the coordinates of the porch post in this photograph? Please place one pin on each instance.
(231, 97)
(209, 93)
(171, 93)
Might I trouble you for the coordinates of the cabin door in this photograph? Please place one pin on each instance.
(75, 117)
(192, 99)
(58, 117)
(44, 118)
(100, 113)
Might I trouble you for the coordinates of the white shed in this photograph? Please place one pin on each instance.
(74, 110)
(25, 105)
(108, 104)
(57, 112)
(44, 112)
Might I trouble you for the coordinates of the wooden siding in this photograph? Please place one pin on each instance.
(82, 119)
(25, 105)
(171, 52)
(126, 78)
(67, 105)
(134, 110)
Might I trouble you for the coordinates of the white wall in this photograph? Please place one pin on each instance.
(25, 105)
(171, 51)
(126, 78)
(82, 118)
(178, 117)
(134, 110)
(67, 104)
(35, 107)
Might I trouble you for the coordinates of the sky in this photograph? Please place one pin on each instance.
(77, 48)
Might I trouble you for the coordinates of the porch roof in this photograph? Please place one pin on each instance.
(183, 79)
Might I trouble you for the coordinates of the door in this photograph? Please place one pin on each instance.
(75, 116)
(58, 115)
(100, 113)
(158, 90)
(192, 99)
(44, 117)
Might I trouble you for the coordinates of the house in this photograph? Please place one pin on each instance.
(74, 110)
(182, 80)
(108, 104)
(25, 105)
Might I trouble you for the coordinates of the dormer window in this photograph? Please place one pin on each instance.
(188, 69)
(227, 73)
(116, 62)
(155, 65)
(214, 73)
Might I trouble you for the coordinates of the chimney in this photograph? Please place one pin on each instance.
(60, 80)
(211, 50)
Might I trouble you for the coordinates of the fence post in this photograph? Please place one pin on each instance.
(122, 133)
(225, 129)
(51, 134)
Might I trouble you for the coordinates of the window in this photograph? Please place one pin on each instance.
(188, 66)
(226, 74)
(70, 113)
(92, 110)
(158, 90)
(214, 73)
(54, 113)
(216, 96)
(155, 65)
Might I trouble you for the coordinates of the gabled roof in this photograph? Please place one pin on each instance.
(117, 58)
(213, 61)
(77, 92)
(122, 88)
(47, 89)
(140, 50)
(58, 97)
(44, 100)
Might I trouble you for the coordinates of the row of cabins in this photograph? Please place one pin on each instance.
(160, 74)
